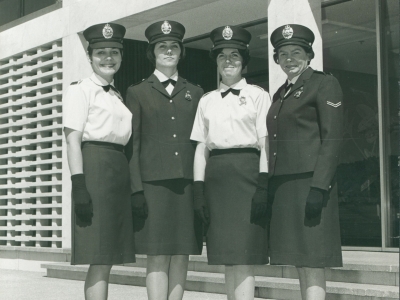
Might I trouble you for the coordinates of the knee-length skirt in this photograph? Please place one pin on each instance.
(296, 240)
(230, 183)
(170, 227)
(109, 239)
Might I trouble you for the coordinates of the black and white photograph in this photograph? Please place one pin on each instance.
(199, 149)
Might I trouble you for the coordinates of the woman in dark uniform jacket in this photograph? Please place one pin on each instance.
(161, 166)
(231, 165)
(97, 126)
(305, 134)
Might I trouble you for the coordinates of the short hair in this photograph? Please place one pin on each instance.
(89, 51)
(309, 51)
(152, 57)
(244, 53)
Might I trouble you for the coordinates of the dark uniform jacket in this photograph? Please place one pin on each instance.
(305, 128)
(160, 146)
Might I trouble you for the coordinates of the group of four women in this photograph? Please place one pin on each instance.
(258, 174)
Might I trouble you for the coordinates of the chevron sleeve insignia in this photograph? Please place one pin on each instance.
(334, 104)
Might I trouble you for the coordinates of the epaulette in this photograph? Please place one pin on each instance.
(76, 82)
(257, 86)
(206, 94)
(138, 82)
(321, 72)
(193, 83)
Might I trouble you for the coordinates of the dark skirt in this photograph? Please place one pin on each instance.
(296, 240)
(230, 183)
(109, 238)
(170, 228)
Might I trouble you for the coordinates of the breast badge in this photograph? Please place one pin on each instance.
(242, 100)
(188, 96)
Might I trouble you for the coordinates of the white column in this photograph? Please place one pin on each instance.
(75, 67)
(303, 12)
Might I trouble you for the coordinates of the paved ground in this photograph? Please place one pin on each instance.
(23, 285)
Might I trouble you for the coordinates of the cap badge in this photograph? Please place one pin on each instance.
(108, 31)
(166, 27)
(227, 33)
(287, 32)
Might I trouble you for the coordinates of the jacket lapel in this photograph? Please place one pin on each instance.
(301, 80)
(156, 84)
(180, 85)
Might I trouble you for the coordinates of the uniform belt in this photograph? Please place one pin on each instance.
(106, 145)
(234, 150)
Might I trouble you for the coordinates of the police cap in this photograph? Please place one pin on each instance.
(230, 37)
(165, 31)
(292, 34)
(106, 35)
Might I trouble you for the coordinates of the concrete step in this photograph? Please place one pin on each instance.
(266, 287)
(358, 267)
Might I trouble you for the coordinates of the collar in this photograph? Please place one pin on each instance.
(162, 77)
(236, 86)
(98, 80)
(294, 79)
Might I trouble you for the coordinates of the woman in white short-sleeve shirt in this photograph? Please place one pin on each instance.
(230, 168)
(97, 126)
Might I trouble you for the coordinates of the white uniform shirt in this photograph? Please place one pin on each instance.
(99, 115)
(232, 121)
(162, 77)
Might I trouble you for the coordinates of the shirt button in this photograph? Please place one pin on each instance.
(174, 135)
(176, 153)
(170, 101)
(173, 118)
(275, 117)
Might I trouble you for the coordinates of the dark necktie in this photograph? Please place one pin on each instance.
(106, 88)
(167, 82)
(288, 87)
(233, 91)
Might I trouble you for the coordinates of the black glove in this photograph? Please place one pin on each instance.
(139, 205)
(314, 202)
(199, 203)
(82, 201)
(259, 203)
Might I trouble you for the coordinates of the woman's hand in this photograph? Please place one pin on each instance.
(82, 202)
(139, 210)
(314, 203)
(259, 203)
(199, 203)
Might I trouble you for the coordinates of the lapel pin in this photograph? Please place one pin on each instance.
(242, 100)
(298, 93)
(188, 96)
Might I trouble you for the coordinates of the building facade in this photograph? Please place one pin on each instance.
(42, 51)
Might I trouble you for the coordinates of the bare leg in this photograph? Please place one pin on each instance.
(177, 276)
(96, 283)
(316, 283)
(303, 283)
(157, 276)
(244, 282)
(230, 282)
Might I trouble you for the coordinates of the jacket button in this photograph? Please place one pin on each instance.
(330, 186)
(275, 117)
(172, 118)
(274, 153)
(275, 136)
(174, 135)
(170, 101)
(176, 153)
